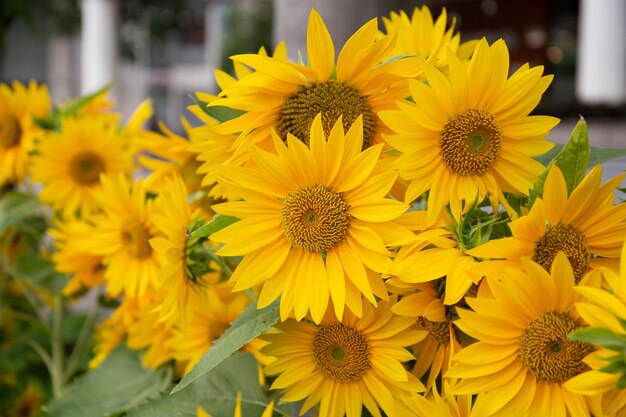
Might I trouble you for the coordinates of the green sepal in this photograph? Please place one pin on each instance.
(600, 337)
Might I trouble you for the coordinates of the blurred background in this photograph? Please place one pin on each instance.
(166, 49)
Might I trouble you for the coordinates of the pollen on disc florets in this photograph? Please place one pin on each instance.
(341, 352)
(567, 239)
(438, 330)
(315, 218)
(85, 168)
(10, 131)
(331, 98)
(470, 142)
(548, 353)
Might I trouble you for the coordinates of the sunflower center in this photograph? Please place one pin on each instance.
(547, 352)
(341, 352)
(10, 131)
(331, 98)
(135, 239)
(315, 218)
(85, 168)
(567, 239)
(470, 142)
(440, 331)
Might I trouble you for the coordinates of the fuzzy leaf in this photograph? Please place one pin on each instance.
(250, 324)
(599, 337)
(119, 384)
(572, 160)
(219, 113)
(15, 207)
(216, 392)
(601, 155)
(40, 272)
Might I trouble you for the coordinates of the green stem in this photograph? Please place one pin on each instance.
(221, 262)
(81, 346)
(57, 347)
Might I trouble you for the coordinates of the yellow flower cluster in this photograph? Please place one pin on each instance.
(381, 196)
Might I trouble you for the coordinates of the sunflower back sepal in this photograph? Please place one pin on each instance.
(218, 223)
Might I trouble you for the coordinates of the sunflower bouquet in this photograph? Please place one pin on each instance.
(388, 233)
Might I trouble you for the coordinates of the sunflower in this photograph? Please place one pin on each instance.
(107, 336)
(192, 339)
(423, 36)
(287, 97)
(19, 107)
(122, 237)
(69, 163)
(607, 310)
(438, 252)
(268, 412)
(71, 237)
(523, 356)
(313, 222)
(469, 136)
(345, 365)
(186, 270)
(434, 352)
(587, 226)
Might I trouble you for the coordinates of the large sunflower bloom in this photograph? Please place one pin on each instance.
(122, 237)
(523, 355)
(603, 309)
(287, 96)
(18, 107)
(470, 136)
(587, 226)
(345, 365)
(313, 222)
(69, 163)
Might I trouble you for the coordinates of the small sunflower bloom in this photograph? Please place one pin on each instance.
(121, 237)
(469, 136)
(345, 365)
(19, 106)
(69, 163)
(314, 223)
(587, 226)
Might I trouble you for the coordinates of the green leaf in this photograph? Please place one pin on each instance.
(73, 107)
(119, 384)
(601, 155)
(615, 367)
(572, 160)
(216, 392)
(250, 324)
(15, 207)
(599, 337)
(40, 272)
(621, 383)
(220, 113)
(218, 223)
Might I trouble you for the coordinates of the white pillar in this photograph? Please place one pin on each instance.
(601, 63)
(98, 44)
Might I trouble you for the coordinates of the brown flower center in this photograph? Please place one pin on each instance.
(341, 352)
(440, 331)
(567, 239)
(331, 98)
(10, 131)
(135, 238)
(85, 168)
(547, 352)
(470, 142)
(315, 218)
